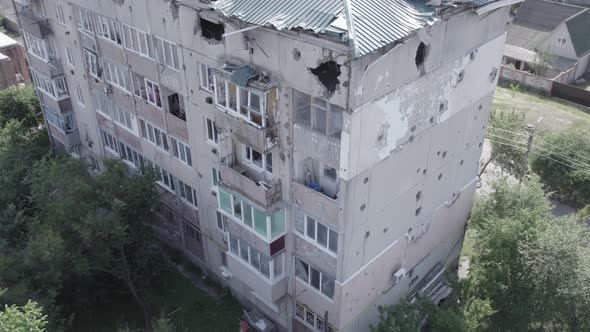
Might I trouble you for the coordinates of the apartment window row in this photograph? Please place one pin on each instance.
(114, 111)
(56, 88)
(154, 134)
(165, 179)
(41, 48)
(318, 114)
(181, 151)
(131, 38)
(65, 123)
(315, 278)
(158, 137)
(128, 154)
(272, 268)
(267, 227)
(240, 101)
(117, 75)
(318, 233)
(262, 162)
(146, 90)
(310, 318)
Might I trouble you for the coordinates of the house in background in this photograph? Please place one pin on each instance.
(558, 32)
(13, 66)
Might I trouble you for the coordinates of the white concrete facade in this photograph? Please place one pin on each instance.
(383, 168)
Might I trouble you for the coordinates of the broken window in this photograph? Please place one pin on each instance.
(318, 114)
(211, 30)
(245, 103)
(421, 54)
(328, 73)
(175, 106)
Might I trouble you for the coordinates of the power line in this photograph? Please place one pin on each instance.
(508, 131)
(586, 159)
(540, 154)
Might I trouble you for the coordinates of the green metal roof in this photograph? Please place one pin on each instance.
(371, 24)
(382, 22)
(579, 30)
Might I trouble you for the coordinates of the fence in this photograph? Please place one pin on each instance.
(526, 79)
(571, 93)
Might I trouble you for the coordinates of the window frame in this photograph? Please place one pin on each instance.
(161, 45)
(181, 151)
(207, 78)
(151, 133)
(212, 133)
(310, 271)
(132, 41)
(272, 260)
(237, 112)
(92, 63)
(184, 190)
(248, 157)
(254, 211)
(317, 105)
(314, 239)
(59, 10)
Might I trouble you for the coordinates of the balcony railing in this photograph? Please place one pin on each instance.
(34, 23)
(237, 178)
(52, 68)
(315, 202)
(260, 139)
(313, 143)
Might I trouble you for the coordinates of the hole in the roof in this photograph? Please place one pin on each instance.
(328, 73)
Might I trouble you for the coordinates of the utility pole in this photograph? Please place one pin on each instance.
(531, 131)
(530, 128)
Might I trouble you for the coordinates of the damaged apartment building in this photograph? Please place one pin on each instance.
(318, 157)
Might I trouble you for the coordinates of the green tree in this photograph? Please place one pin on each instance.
(28, 318)
(542, 63)
(20, 104)
(504, 134)
(525, 266)
(563, 164)
(402, 317)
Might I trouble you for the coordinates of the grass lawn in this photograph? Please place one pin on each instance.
(557, 114)
(190, 309)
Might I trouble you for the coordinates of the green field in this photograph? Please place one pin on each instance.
(557, 114)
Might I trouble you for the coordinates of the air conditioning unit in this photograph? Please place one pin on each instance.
(398, 275)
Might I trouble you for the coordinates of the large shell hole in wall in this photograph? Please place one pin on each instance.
(421, 54)
(212, 30)
(328, 73)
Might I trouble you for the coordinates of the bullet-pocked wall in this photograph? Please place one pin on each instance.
(410, 152)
